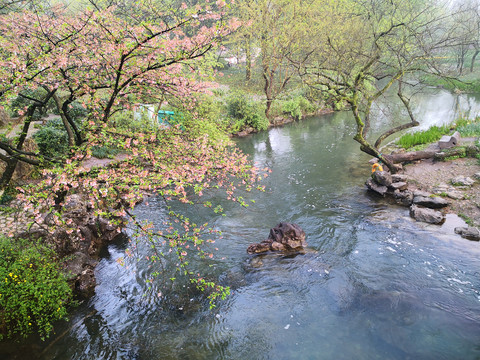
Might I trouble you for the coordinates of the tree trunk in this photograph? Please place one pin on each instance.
(365, 146)
(461, 60)
(73, 126)
(13, 160)
(248, 60)
(268, 77)
(71, 138)
(413, 122)
(411, 156)
(8, 173)
(472, 64)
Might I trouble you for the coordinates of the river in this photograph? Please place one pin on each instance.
(373, 284)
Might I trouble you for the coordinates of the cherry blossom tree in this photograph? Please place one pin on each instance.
(109, 59)
(105, 61)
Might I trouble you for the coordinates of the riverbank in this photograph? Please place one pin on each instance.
(281, 121)
(444, 180)
(438, 177)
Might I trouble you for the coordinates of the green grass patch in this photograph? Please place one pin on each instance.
(468, 128)
(431, 135)
(465, 218)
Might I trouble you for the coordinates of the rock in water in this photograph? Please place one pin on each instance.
(470, 233)
(400, 185)
(404, 198)
(286, 237)
(379, 189)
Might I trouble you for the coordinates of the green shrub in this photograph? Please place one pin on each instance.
(52, 139)
(33, 293)
(7, 195)
(239, 107)
(423, 137)
(297, 107)
(205, 118)
(292, 108)
(77, 112)
(126, 121)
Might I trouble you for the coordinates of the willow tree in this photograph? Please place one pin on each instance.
(361, 49)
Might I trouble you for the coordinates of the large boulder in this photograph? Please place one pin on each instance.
(447, 142)
(426, 215)
(404, 198)
(78, 269)
(79, 245)
(285, 237)
(375, 187)
(399, 178)
(382, 178)
(433, 202)
(400, 185)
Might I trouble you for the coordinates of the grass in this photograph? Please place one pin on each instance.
(468, 127)
(417, 140)
(465, 218)
(431, 135)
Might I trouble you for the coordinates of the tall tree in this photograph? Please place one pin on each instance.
(277, 27)
(109, 59)
(366, 47)
(101, 58)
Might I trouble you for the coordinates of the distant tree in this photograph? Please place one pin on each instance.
(467, 22)
(277, 27)
(362, 49)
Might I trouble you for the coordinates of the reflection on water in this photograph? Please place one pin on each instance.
(373, 284)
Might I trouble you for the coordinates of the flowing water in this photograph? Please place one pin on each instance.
(373, 284)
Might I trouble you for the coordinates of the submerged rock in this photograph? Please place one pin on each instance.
(404, 198)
